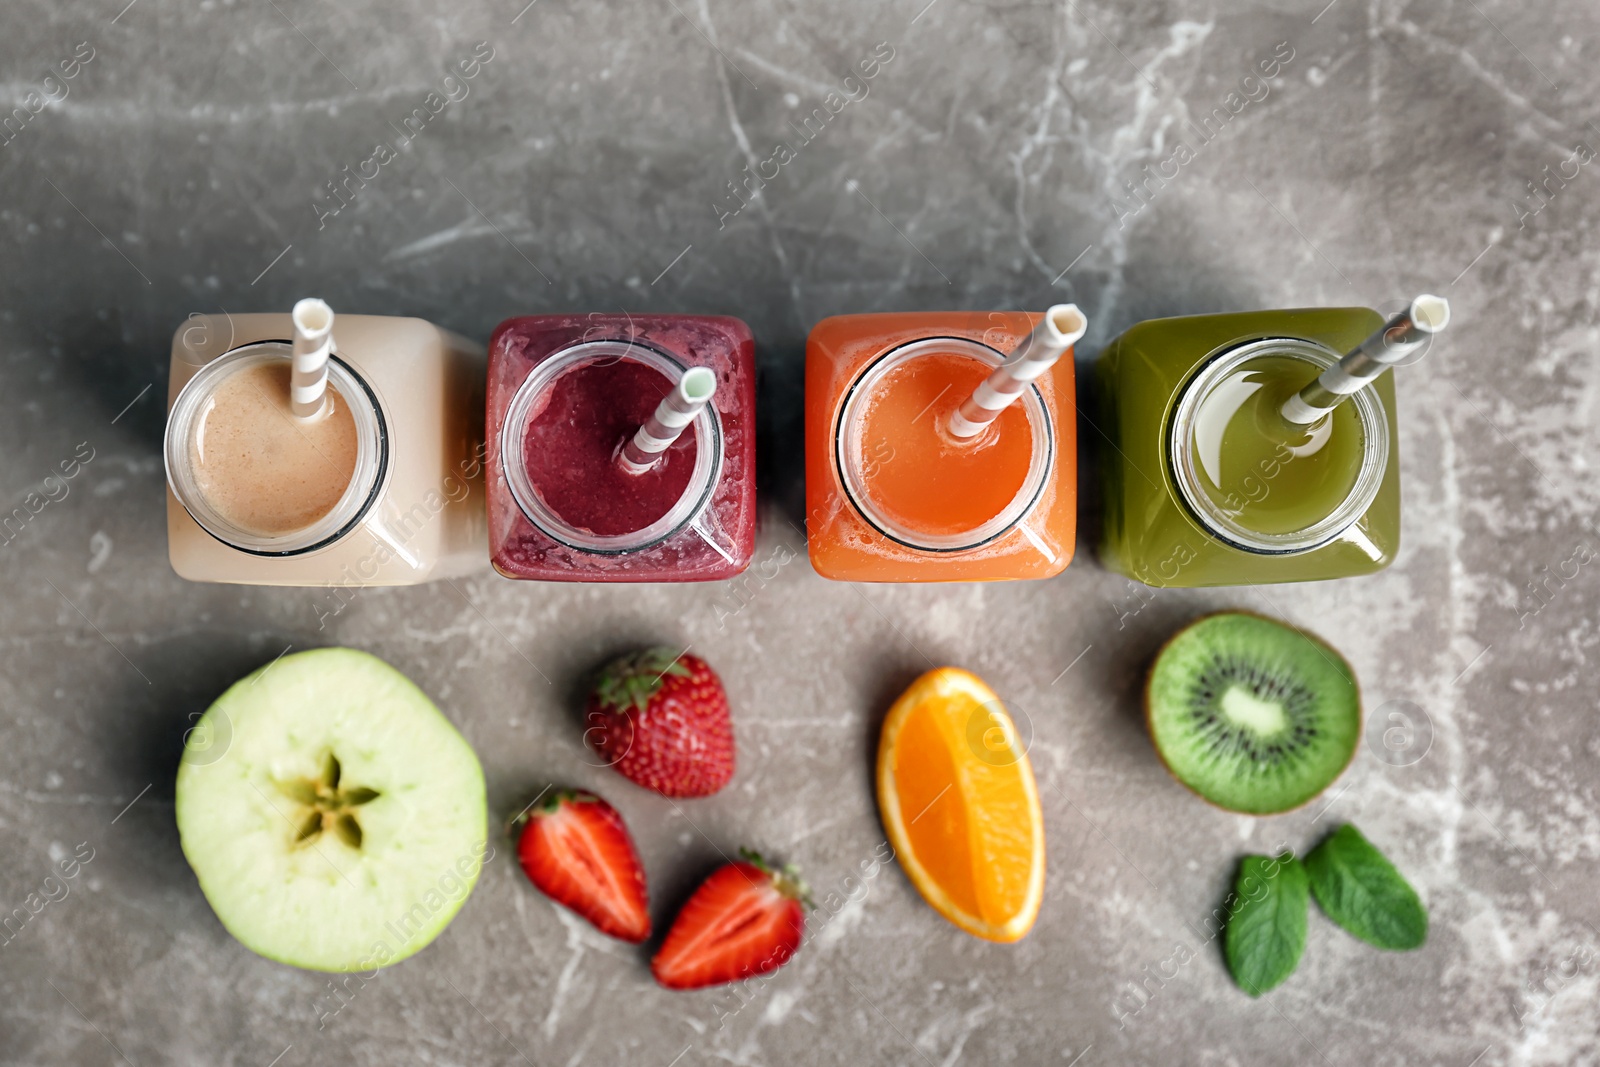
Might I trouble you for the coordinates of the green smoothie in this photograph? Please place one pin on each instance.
(1263, 472)
(1266, 501)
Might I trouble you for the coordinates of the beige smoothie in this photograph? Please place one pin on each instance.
(262, 469)
(406, 427)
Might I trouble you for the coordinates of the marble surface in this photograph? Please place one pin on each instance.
(181, 170)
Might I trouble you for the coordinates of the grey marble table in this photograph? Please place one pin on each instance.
(996, 159)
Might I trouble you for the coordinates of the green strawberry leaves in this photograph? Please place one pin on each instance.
(1355, 886)
(1361, 891)
(1266, 930)
(786, 878)
(631, 681)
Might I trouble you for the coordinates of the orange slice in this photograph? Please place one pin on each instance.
(960, 805)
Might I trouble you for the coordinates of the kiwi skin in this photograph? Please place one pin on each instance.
(1149, 726)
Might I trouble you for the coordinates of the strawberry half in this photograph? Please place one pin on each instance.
(661, 719)
(745, 920)
(576, 849)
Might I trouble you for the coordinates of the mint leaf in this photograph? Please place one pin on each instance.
(1362, 892)
(1266, 930)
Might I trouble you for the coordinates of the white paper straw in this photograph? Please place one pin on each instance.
(672, 416)
(1056, 333)
(1400, 337)
(313, 343)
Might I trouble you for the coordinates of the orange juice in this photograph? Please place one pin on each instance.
(922, 476)
(892, 495)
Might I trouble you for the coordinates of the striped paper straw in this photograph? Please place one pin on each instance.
(1061, 326)
(672, 416)
(1400, 337)
(313, 342)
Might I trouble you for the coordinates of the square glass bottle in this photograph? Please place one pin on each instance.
(566, 392)
(891, 496)
(1186, 505)
(401, 503)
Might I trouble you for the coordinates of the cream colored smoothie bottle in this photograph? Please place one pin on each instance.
(381, 485)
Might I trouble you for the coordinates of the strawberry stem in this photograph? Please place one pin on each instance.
(546, 803)
(631, 680)
(785, 879)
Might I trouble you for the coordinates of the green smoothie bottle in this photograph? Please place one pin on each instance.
(1255, 448)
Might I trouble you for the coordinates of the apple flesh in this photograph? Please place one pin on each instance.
(335, 819)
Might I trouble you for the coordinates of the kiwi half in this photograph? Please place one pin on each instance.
(1253, 715)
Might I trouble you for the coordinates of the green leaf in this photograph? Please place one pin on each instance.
(1362, 892)
(631, 681)
(1266, 930)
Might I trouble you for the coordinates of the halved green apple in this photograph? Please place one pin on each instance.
(344, 824)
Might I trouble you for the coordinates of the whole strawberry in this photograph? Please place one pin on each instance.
(662, 720)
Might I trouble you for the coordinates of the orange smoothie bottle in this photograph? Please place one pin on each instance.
(941, 446)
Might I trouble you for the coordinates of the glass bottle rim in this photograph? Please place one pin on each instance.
(850, 464)
(690, 505)
(1215, 520)
(366, 480)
